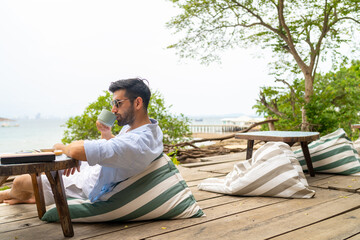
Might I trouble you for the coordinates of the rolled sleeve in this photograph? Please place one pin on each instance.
(92, 151)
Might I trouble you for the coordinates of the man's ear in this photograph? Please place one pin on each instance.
(138, 103)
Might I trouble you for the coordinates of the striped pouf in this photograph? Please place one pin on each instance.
(159, 192)
(273, 171)
(332, 153)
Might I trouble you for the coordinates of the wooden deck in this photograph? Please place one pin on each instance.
(334, 213)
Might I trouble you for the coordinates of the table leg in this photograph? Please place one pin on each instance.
(39, 194)
(3, 179)
(57, 186)
(305, 149)
(249, 150)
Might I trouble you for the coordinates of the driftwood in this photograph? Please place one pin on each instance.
(197, 152)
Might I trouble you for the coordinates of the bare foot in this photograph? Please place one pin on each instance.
(4, 195)
(17, 201)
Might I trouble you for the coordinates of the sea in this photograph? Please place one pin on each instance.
(25, 135)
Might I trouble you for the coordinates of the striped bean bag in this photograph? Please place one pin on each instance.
(273, 171)
(159, 192)
(332, 153)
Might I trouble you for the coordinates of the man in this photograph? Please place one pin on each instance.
(107, 161)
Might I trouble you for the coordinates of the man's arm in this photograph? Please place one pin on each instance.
(74, 150)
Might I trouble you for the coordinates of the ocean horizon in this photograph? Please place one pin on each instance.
(30, 134)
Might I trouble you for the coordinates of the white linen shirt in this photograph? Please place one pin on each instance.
(121, 157)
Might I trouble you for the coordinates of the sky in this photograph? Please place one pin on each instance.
(58, 56)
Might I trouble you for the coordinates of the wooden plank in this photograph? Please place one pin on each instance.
(195, 183)
(355, 237)
(328, 229)
(7, 211)
(27, 230)
(312, 181)
(271, 220)
(199, 164)
(215, 207)
(23, 223)
(193, 174)
(161, 227)
(340, 182)
(223, 168)
(233, 156)
(218, 201)
(202, 195)
(12, 217)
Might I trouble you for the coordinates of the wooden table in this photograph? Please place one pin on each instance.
(54, 176)
(289, 137)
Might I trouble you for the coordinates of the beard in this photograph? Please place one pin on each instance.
(127, 117)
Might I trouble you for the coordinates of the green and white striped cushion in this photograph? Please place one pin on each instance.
(159, 192)
(273, 171)
(332, 153)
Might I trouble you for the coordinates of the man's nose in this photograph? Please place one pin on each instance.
(114, 109)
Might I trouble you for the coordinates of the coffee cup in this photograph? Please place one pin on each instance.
(107, 118)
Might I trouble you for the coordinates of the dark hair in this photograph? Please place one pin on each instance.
(134, 87)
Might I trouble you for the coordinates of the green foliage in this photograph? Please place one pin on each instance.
(333, 105)
(173, 156)
(4, 188)
(175, 128)
(286, 103)
(208, 27)
(335, 100)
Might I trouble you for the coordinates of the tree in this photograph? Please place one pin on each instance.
(296, 31)
(335, 99)
(175, 128)
(333, 104)
(283, 103)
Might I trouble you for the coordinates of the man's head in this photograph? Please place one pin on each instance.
(130, 101)
(134, 87)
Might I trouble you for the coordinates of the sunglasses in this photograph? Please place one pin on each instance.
(117, 103)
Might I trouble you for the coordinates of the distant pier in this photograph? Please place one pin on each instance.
(215, 128)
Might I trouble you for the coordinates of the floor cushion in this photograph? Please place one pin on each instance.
(272, 171)
(332, 153)
(159, 192)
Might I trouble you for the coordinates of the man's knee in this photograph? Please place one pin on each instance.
(23, 182)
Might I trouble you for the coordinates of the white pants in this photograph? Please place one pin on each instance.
(78, 185)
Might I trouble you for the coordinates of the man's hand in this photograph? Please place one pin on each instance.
(71, 171)
(74, 150)
(104, 130)
(59, 146)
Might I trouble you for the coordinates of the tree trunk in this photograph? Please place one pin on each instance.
(309, 90)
